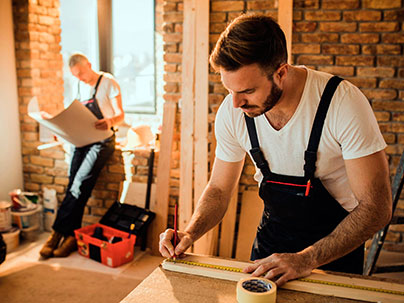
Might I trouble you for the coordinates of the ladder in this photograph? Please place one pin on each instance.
(378, 239)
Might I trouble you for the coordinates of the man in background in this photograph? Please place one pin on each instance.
(105, 103)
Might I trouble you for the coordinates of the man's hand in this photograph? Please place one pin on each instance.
(166, 248)
(281, 268)
(103, 124)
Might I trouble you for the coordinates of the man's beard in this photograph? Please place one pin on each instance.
(270, 101)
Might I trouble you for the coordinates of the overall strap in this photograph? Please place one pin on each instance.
(255, 150)
(96, 86)
(310, 155)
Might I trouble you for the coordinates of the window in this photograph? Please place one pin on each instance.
(120, 42)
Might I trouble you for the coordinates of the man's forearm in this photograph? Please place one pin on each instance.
(210, 210)
(355, 229)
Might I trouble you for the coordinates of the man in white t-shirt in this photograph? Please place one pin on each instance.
(106, 104)
(321, 166)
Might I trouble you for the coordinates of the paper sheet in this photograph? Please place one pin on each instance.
(75, 124)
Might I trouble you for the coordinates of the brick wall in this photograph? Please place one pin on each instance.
(360, 40)
(39, 71)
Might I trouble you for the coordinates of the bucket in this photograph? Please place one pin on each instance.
(11, 238)
(5, 215)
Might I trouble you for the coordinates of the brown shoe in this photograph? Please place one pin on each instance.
(50, 245)
(68, 246)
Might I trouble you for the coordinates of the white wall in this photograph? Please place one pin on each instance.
(10, 145)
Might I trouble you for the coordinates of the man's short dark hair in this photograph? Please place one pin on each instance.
(250, 39)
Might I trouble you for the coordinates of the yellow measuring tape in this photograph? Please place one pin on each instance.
(236, 269)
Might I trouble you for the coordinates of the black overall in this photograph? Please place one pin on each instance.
(299, 211)
(85, 167)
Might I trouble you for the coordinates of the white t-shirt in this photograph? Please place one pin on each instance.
(350, 131)
(107, 90)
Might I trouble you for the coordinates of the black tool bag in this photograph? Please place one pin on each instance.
(3, 249)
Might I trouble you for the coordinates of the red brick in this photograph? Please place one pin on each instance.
(172, 38)
(305, 27)
(301, 48)
(61, 180)
(388, 105)
(392, 15)
(390, 61)
(173, 17)
(338, 27)
(307, 4)
(172, 97)
(383, 49)
(170, 48)
(392, 83)
(217, 27)
(340, 49)
(355, 60)
(37, 160)
(322, 15)
(217, 17)
(393, 38)
(172, 77)
(215, 98)
(227, 6)
(379, 27)
(381, 94)
(41, 179)
(320, 37)
(340, 4)
(381, 4)
(338, 70)
(172, 57)
(219, 89)
(260, 5)
(315, 59)
(363, 82)
(360, 38)
(362, 15)
(376, 71)
(382, 116)
(398, 117)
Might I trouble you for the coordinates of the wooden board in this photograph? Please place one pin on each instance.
(187, 115)
(134, 193)
(323, 287)
(206, 244)
(168, 286)
(228, 227)
(285, 20)
(250, 216)
(160, 205)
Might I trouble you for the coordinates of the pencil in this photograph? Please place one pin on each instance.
(175, 228)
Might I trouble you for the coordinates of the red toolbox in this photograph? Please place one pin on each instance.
(110, 254)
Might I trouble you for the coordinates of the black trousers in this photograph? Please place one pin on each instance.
(85, 167)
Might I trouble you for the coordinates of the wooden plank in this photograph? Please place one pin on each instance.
(354, 287)
(187, 115)
(228, 226)
(250, 216)
(160, 205)
(168, 286)
(134, 193)
(285, 20)
(207, 243)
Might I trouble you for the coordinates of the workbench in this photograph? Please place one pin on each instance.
(163, 286)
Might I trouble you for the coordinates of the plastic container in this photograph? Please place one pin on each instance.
(30, 233)
(29, 218)
(12, 239)
(110, 254)
(5, 215)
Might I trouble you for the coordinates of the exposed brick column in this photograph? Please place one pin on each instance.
(39, 71)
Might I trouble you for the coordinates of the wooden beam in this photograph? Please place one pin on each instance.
(206, 244)
(187, 115)
(160, 205)
(285, 20)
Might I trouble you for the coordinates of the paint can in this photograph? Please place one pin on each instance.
(11, 238)
(5, 215)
